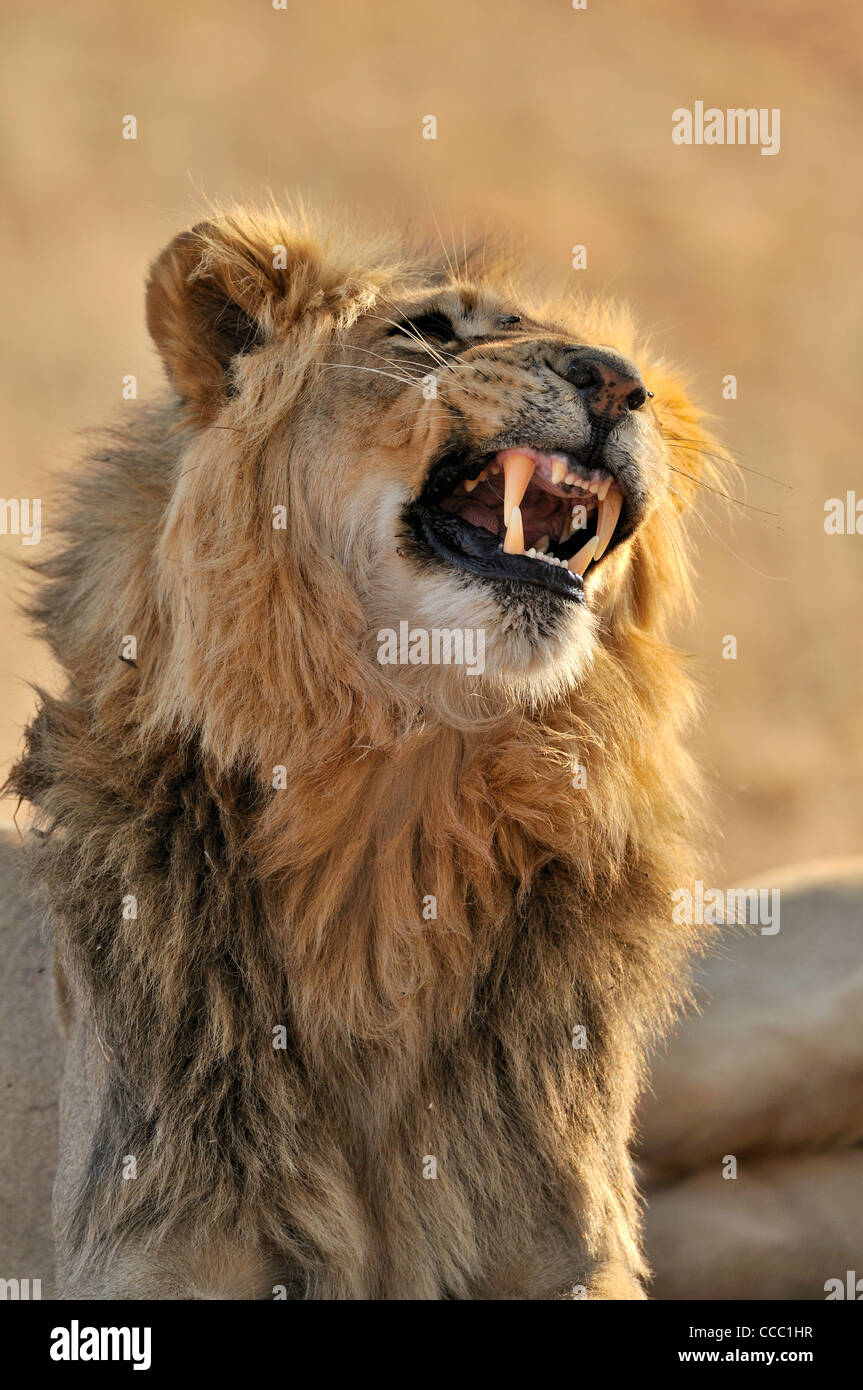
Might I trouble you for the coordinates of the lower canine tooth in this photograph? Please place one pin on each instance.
(609, 512)
(513, 543)
(579, 563)
(543, 543)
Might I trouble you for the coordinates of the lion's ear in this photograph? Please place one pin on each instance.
(209, 299)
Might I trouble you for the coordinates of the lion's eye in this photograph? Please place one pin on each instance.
(430, 328)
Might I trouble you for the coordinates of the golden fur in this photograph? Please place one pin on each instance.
(302, 906)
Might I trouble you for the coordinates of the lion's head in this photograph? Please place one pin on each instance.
(378, 444)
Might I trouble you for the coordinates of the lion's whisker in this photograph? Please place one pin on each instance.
(449, 264)
(390, 361)
(697, 447)
(738, 501)
(714, 534)
(417, 338)
(355, 367)
(679, 559)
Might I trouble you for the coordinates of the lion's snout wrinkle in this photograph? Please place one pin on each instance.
(365, 953)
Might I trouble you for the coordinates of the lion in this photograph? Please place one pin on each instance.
(360, 948)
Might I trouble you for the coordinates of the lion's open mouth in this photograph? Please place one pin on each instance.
(520, 514)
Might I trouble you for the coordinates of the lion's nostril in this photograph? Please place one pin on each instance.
(585, 377)
(635, 400)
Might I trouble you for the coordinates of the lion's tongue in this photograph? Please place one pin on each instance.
(534, 518)
(479, 515)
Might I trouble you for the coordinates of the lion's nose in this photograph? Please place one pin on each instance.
(609, 385)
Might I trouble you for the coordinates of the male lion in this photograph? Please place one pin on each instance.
(358, 959)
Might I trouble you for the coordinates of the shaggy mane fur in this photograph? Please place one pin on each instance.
(301, 907)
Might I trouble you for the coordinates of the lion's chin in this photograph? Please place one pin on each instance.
(453, 640)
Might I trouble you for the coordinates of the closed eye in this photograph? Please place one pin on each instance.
(430, 328)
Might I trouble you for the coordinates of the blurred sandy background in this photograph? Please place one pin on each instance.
(554, 124)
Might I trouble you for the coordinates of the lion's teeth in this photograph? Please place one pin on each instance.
(518, 470)
(543, 543)
(579, 562)
(546, 559)
(602, 491)
(609, 512)
(558, 471)
(471, 483)
(513, 543)
(571, 478)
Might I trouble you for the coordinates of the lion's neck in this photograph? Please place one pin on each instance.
(392, 876)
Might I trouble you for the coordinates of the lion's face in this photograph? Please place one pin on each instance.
(472, 468)
(483, 471)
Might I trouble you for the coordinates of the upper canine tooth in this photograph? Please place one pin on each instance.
(518, 470)
(602, 490)
(558, 471)
(513, 541)
(609, 512)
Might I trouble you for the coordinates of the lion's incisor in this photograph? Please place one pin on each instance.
(310, 482)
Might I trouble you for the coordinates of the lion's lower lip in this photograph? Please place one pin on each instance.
(478, 552)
